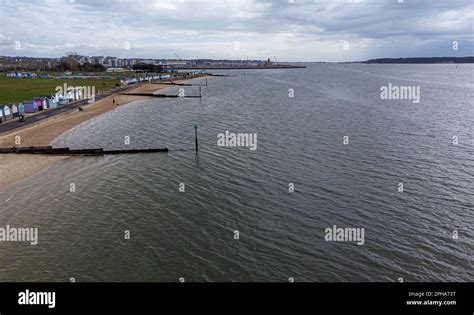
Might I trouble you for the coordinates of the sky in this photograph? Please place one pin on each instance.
(283, 30)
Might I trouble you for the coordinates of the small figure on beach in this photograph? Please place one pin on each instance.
(113, 101)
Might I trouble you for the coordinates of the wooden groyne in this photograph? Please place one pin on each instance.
(161, 95)
(173, 83)
(66, 151)
(178, 84)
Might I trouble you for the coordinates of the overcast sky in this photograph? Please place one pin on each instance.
(298, 30)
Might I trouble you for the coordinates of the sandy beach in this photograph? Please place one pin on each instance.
(15, 166)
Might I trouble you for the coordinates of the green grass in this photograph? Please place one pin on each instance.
(13, 90)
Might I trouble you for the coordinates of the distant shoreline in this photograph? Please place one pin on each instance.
(242, 67)
(422, 60)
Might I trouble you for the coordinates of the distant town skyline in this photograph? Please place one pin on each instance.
(298, 30)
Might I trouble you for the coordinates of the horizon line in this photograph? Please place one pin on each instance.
(190, 59)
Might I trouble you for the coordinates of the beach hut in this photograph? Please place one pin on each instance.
(1, 116)
(39, 103)
(78, 93)
(31, 106)
(52, 103)
(45, 102)
(7, 113)
(21, 109)
(70, 95)
(14, 111)
(61, 100)
(73, 93)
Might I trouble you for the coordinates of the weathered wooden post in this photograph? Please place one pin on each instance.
(196, 136)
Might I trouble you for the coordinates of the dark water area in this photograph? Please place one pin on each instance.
(190, 234)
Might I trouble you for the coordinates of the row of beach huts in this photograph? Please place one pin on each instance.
(40, 103)
(133, 80)
(36, 104)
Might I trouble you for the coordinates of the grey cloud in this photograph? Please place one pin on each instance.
(294, 31)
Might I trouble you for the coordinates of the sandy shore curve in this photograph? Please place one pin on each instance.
(14, 167)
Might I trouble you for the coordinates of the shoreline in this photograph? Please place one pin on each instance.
(15, 167)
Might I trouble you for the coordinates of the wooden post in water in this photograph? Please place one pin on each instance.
(196, 136)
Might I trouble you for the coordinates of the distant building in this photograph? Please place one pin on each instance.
(174, 63)
(107, 62)
(148, 61)
(79, 58)
(113, 62)
(115, 70)
(97, 60)
(268, 63)
(83, 59)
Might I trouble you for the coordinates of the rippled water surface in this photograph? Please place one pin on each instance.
(300, 140)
